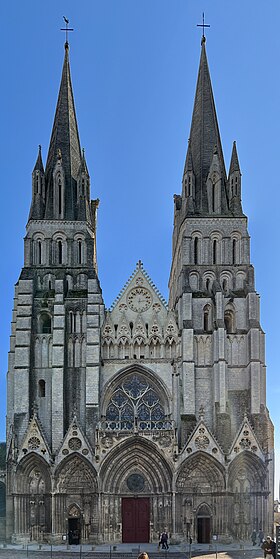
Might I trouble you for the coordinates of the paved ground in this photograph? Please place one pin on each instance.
(130, 551)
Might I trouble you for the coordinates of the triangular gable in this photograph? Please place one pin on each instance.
(75, 441)
(139, 278)
(246, 440)
(171, 329)
(140, 331)
(202, 439)
(34, 441)
(108, 327)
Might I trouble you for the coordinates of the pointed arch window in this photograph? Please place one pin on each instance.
(135, 404)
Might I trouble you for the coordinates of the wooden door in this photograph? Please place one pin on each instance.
(203, 529)
(135, 520)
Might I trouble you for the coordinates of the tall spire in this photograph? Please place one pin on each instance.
(64, 140)
(204, 135)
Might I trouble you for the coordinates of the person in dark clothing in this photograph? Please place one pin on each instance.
(164, 540)
(254, 537)
(269, 547)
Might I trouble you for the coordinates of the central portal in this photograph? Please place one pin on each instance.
(135, 520)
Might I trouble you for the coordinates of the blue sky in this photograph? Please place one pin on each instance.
(134, 68)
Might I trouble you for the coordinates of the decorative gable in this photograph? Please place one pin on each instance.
(75, 441)
(246, 440)
(202, 439)
(139, 325)
(108, 328)
(34, 441)
(140, 331)
(171, 329)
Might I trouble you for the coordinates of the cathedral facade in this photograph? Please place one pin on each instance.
(149, 415)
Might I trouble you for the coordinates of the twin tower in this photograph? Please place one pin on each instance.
(123, 422)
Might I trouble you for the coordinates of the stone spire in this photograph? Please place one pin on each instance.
(64, 147)
(204, 136)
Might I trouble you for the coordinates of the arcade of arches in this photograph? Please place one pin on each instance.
(141, 485)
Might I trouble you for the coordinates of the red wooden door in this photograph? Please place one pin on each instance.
(135, 520)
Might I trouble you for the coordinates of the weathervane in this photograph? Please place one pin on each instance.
(66, 29)
(203, 25)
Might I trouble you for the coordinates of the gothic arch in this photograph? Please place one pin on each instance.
(75, 475)
(200, 473)
(152, 377)
(141, 457)
(247, 472)
(33, 474)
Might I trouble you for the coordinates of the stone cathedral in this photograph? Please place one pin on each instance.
(124, 421)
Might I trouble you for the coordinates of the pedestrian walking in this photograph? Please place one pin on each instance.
(269, 547)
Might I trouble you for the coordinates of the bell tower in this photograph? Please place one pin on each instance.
(212, 289)
(54, 357)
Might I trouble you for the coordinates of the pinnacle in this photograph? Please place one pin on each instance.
(39, 163)
(234, 163)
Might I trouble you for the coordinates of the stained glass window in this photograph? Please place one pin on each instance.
(135, 404)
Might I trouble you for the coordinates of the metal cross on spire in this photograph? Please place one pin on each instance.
(66, 29)
(203, 25)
